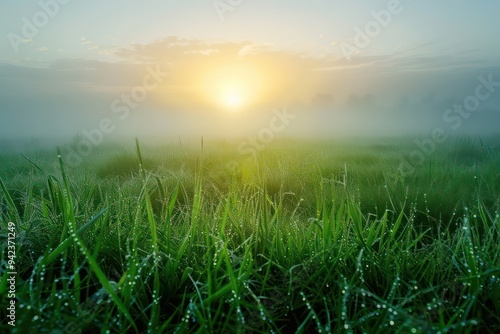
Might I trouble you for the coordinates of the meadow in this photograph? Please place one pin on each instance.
(312, 236)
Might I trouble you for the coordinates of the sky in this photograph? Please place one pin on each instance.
(225, 68)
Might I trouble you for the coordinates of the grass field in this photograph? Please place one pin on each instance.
(310, 237)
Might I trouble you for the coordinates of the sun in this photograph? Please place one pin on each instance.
(232, 99)
(233, 94)
(238, 85)
(232, 86)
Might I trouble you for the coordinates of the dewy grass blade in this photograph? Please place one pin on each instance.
(10, 203)
(106, 284)
(66, 243)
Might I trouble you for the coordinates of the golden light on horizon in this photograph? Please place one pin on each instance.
(231, 84)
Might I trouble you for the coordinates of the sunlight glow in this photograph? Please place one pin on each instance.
(233, 99)
(234, 87)
(232, 84)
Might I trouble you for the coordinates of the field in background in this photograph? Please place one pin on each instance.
(309, 236)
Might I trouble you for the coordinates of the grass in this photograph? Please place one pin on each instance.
(312, 237)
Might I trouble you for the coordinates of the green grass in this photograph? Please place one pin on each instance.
(311, 237)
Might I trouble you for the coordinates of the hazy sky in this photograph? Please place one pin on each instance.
(221, 67)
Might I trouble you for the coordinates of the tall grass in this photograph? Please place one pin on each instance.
(322, 241)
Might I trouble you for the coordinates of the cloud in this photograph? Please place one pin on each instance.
(253, 49)
(85, 41)
(173, 49)
(206, 52)
(297, 75)
(105, 52)
(89, 44)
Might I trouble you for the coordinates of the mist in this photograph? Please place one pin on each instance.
(71, 98)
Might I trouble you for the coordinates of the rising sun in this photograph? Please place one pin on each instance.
(232, 99)
(233, 86)
(238, 84)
